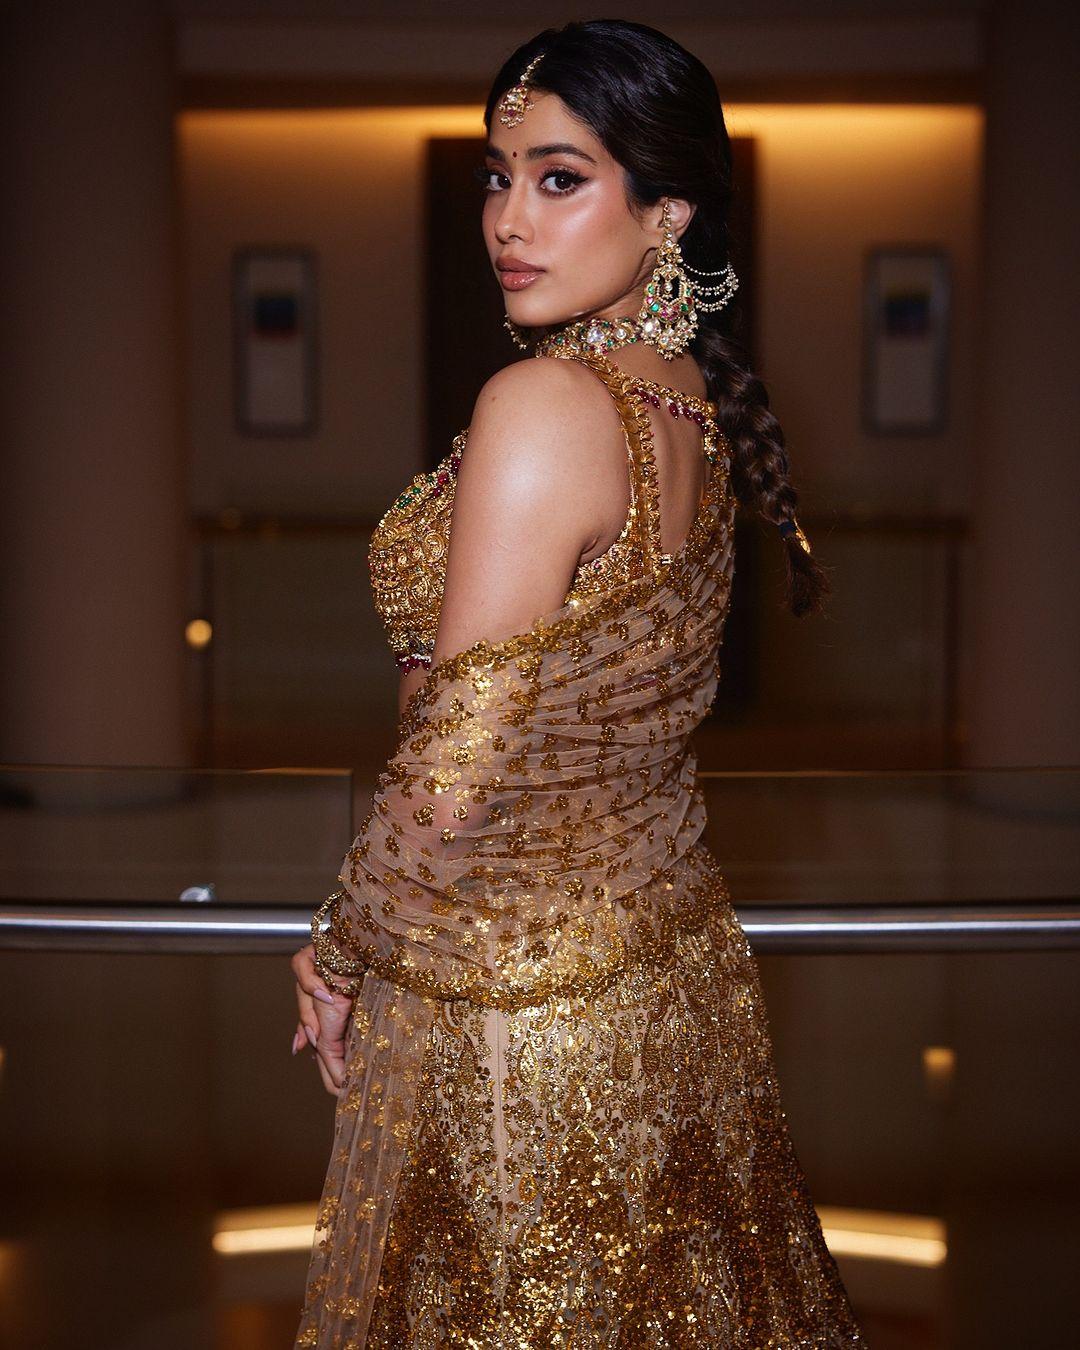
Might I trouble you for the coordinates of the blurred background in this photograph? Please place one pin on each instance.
(245, 299)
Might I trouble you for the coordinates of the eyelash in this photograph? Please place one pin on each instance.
(483, 174)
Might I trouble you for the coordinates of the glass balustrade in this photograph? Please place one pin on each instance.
(162, 1151)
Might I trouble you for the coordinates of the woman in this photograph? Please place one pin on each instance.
(558, 1121)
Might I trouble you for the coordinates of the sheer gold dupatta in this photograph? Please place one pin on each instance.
(520, 845)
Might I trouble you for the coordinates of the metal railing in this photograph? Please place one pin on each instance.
(984, 860)
(809, 930)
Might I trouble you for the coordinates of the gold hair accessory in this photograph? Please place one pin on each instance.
(792, 526)
(668, 314)
(515, 102)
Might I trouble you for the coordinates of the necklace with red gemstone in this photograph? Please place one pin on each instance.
(598, 336)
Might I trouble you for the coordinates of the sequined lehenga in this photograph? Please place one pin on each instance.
(560, 1124)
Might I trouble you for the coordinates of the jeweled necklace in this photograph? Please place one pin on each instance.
(597, 336)
(594, 335)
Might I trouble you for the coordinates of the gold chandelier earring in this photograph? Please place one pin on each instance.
(669, 310)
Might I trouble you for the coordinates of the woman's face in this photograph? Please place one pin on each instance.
(555, 206)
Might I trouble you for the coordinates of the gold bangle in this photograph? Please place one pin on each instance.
(329, 960)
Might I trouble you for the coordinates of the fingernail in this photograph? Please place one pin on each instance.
(311, 1037)
(322, 995)
(296, 1042)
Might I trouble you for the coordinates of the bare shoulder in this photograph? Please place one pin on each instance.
(545, 377)
(527, 499)
(558, 398)
(553, 417)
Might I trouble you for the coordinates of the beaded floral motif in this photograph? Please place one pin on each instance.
(613, 1170)
(407, 560)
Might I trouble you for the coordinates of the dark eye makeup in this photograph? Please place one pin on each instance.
(483, 176)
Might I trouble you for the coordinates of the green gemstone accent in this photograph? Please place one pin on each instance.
(655, 307)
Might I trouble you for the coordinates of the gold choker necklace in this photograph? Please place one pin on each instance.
(593, 335)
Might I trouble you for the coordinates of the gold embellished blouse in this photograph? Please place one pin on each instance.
(407, 553)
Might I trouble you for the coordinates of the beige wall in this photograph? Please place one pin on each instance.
(347, 184)
(834, 180)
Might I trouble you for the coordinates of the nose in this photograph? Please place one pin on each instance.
(512, 220)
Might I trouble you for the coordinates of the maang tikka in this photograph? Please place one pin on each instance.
(669, 310)
(512, 108)
(515, 102)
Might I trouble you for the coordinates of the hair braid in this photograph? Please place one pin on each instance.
(760, 467)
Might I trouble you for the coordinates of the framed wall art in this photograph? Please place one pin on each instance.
(906, 313)
(275, 357)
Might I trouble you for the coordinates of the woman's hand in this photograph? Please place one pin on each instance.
(324, 1019)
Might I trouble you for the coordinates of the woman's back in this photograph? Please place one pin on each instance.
(682, 469)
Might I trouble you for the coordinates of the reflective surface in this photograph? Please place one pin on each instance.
(161, 1152)
(915, 837)
(148, 835)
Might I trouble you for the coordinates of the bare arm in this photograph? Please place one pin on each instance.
(528, 496)
(543, 465)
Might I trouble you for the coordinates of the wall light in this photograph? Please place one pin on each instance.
(198, 633)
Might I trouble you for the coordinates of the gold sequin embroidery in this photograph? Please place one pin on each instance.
(560, 1124)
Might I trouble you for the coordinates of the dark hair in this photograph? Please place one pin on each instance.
(656, 110)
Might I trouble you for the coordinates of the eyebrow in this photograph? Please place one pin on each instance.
(540, 151)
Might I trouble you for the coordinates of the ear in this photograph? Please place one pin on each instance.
(680, 212)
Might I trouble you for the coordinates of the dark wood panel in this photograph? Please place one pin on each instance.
(465, 341)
